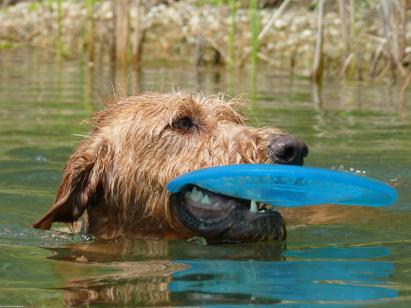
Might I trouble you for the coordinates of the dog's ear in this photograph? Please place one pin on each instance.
(77, 190)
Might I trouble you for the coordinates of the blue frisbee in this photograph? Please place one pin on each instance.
(283, 185)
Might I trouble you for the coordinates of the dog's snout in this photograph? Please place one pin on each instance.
(287, 149)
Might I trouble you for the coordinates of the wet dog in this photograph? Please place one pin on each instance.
(116, 179)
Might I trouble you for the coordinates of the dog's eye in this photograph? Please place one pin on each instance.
(185, 123)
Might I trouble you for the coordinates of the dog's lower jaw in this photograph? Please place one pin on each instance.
(266, 227)
(236, 225)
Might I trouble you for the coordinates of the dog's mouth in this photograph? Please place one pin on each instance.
(220, 218)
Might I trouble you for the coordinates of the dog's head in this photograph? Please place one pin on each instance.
(120, 171)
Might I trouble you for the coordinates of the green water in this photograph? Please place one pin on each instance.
(363, 258)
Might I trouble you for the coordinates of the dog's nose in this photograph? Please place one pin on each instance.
(287, 150)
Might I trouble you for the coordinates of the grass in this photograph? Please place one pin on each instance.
(6, 44)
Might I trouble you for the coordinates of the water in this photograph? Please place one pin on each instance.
(339, 256)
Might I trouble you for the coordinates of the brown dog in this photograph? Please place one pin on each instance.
(116, 178)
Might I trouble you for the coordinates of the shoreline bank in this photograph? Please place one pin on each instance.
(200, 35)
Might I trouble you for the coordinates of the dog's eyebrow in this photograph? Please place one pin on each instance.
(227, 113)
(187, 108)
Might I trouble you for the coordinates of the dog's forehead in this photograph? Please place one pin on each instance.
(159, 109)
(176, 104)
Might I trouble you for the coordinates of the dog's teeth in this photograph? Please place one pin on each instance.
(196, 195)
(194, 192)
(188, 194)
(253, 206)
(205, 200)
(199, 196)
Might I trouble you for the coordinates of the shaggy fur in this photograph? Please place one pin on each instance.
(116, 178)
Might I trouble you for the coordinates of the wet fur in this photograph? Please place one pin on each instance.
(116, 178)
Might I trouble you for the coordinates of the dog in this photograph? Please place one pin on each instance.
(116, 178)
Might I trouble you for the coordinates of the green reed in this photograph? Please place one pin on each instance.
(233, 30)
(59, 43)
(254, 35)
(89, 33)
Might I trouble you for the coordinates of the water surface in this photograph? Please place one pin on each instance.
(339, 257)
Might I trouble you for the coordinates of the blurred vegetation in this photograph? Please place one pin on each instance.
(352, 39)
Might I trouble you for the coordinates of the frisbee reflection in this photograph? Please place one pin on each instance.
(173, 273)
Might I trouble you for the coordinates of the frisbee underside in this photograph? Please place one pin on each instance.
(283, 185)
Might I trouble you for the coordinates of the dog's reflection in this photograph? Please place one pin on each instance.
(140, 271)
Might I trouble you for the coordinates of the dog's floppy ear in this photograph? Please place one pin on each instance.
(77, 190)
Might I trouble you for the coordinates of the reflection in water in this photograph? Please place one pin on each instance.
(121, 81)
(138, 283)
(295, 281)
(183, 273)
(88, 88)
(143, 250)
(317, 95)
(144, 269)
(129, 282)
